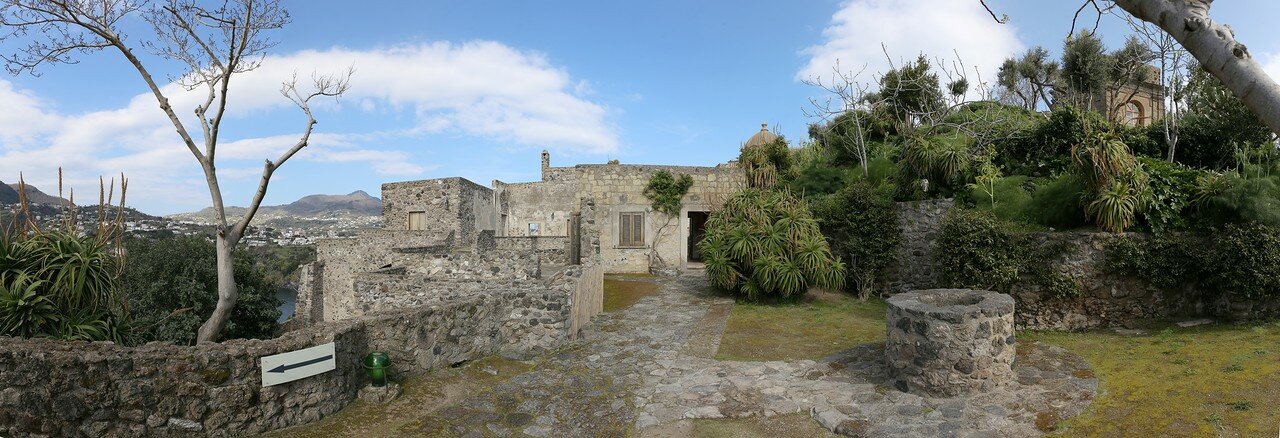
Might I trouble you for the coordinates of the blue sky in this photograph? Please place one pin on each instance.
(477, 89)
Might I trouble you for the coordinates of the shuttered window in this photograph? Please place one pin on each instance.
(631, 229)
(417, 220)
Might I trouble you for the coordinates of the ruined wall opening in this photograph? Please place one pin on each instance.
(697, 230)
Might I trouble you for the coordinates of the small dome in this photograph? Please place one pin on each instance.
(761, 138)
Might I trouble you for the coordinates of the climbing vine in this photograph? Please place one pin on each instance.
(666, 193)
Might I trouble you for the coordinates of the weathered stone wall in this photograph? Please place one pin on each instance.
(546, 205)
(450, 205)
(920, 221)
(338, 259)
(551, 250)
(949, 342)
(617, 188)
(1108, 300)
(60, 388)
(1105, 300)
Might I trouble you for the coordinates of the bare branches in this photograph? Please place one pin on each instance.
(1101, 10)
(1002, 19)
(56, 31)
(331, 85)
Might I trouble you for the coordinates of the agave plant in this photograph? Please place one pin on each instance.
(1114, 179)
(766, 243)
(24, 311)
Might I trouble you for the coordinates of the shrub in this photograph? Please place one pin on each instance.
(62, 285)
(817, 180)
(1244, 260)
(1011, 199)
(1058, 203)
(765, 243)
(1046, 149)
(1173, 188)
(766, 164)
(861, 222)
(1237, 259)
(172, 285)
(1234, 198)
(1116, 185)
(975, 250)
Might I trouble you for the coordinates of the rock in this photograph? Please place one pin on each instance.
(380, 394)
(1194, 322)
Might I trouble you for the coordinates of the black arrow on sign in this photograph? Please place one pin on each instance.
(283, 368)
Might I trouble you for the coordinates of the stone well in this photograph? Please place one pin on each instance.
(949, 342)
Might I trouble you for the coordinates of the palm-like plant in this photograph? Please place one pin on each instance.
(1114, 179)
(24, 311)
(766, 243)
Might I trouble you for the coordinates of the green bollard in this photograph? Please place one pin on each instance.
(377, 363)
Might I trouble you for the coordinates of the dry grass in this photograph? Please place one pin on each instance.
(621, 292)
(822, 324)
(1220, 380)
(420, 396)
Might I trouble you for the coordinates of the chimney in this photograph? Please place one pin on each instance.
(546, 163)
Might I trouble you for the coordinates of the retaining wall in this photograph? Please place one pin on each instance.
(62, 388)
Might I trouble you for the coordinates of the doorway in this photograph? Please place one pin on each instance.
(697, 229)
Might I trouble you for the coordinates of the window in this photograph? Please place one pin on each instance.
(631, 229)
(417, 220)
(1133, 114)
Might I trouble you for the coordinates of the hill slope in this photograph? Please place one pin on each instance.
(354, 204)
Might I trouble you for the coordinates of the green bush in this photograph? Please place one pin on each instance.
(1046, 149)
(766, 243)
(1058, 204)
(1173, 189)
(768, 164)
(861, 222)
(818, 180)
(1011, 199)
(1234, 198)
(172, 288)
(978, 251)
(1244, 260)
(60, 285)
(1237, 259)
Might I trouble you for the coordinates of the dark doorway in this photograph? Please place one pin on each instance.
(697, 229)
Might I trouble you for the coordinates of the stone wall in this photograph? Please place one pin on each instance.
(551, 250)
(618, 188)
(62, 388)
(920, 221)
(453, 205)
(546, 205)
(1105, 300)
(1108, 300)
(329, 294)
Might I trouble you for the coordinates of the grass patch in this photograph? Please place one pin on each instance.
(620, 293)
(1202, 381)
(420, 396)
(822, 324)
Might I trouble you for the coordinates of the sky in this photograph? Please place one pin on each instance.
(477, 89)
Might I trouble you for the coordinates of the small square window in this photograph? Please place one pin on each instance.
(417, 220)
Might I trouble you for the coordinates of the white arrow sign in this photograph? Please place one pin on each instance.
(294, 365)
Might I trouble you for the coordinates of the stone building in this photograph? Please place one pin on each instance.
(444, 235)
(1134, 104)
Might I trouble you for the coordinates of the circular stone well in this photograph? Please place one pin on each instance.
(949, 342)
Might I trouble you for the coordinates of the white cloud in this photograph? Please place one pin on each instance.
(1271, 64)
(940, 29)
(484, 90)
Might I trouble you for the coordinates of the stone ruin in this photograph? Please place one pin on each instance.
(949, 342)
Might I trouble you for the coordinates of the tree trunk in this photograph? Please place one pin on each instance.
(1215, 47)
(227, 292)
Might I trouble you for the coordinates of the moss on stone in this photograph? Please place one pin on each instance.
(215, 376)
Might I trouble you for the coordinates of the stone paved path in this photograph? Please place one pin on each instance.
(651, 365)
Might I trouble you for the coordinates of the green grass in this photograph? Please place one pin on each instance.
(620, 293)
(822, 324)
(1221, 380)
(1217, 380)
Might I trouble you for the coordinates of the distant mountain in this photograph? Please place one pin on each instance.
(354, 204)
(8, 195)
(34, 195)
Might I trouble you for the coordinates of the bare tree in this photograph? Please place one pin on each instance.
(1213, 44)
(215, 43)
(1172, 60)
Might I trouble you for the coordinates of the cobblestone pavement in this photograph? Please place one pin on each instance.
(651, 364)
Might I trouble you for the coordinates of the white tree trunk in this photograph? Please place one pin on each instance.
(227, 292)
(1215, 46)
